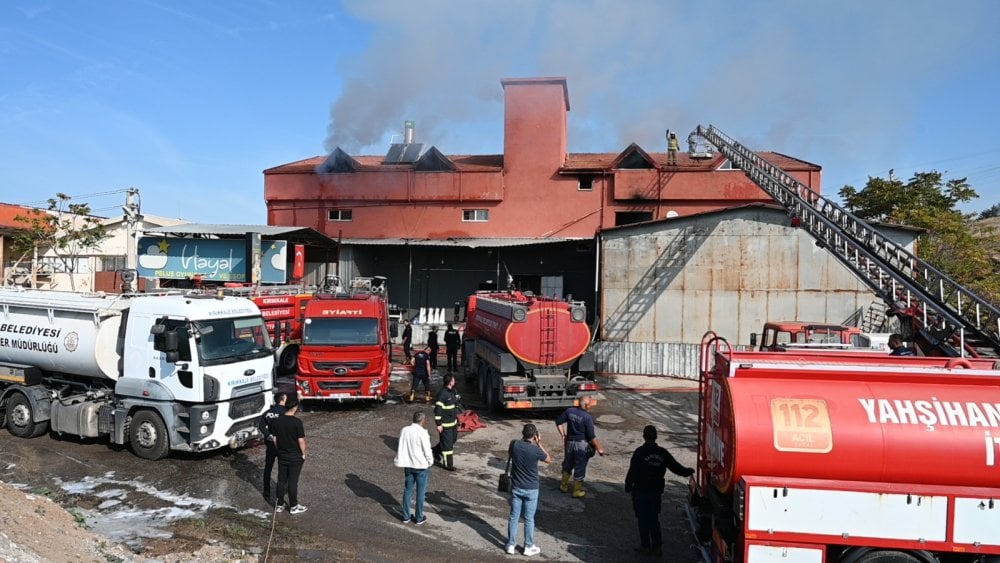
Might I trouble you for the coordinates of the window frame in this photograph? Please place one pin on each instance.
(340, 215)
(475, 215)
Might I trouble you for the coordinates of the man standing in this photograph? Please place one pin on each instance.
(271, 454)
(446, 419)
(644, 480)
(290, 438)
(421, 374)
(414, 455)
(432, 345)
(673, 145)
(576, 426)
(524, 457)
(407, 339)
(451, 343)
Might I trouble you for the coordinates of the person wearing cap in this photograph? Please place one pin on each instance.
(644, 481)
(576, 426)
(524, 457)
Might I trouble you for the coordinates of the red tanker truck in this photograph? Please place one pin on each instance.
(526, 351)
(846, 458)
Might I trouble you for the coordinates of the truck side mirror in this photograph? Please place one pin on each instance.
(753, 339)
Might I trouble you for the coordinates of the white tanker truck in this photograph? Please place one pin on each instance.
(183, 372)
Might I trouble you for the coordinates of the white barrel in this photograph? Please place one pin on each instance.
(59, 331)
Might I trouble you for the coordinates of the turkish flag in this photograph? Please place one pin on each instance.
(299, 271)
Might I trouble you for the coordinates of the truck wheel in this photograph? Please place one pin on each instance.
(289, 361)
(492, 403)
(888, 557)
(148, 435)
(20, 418)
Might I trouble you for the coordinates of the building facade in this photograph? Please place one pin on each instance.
(440, 226)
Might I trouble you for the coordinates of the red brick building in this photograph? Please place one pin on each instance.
(447, 224)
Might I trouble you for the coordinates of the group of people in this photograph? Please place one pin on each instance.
(644, 480)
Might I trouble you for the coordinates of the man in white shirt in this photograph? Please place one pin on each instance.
(414, 455)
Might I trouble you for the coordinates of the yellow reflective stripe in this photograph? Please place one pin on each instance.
(449, 407)
(449, 424)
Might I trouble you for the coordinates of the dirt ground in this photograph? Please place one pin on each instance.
(86, 501)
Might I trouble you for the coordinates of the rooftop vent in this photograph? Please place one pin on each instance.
(406, 152)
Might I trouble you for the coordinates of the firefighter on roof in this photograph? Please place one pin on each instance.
(446, 411)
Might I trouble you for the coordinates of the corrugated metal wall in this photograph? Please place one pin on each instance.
(665, 283)
(647, 358)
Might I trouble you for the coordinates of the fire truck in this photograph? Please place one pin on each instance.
(527, 351)
(777, 336)
(345, 354)
(282, 307)
(846, 458)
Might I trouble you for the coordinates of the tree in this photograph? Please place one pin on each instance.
(952, 243)
(66, 228)
(990, 213)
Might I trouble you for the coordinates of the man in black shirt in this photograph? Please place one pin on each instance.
(645, 481)
(290, 438)
(407, 339)
(452, 340)
(271, 454)
(432, 345)
(421, 374)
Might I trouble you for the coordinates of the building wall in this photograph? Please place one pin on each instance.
(728, 272)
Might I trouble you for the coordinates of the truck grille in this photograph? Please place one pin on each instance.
(247, 406)
(335, 385)
(332, 366)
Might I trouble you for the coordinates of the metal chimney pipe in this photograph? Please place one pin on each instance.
(409, 131)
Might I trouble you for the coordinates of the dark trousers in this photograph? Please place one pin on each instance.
(417, 380)
(452, 359)
(434, 358)
(288, 476)
(269, 457)
(446, 446)
(647, 511)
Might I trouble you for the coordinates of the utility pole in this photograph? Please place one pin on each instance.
(133, 218)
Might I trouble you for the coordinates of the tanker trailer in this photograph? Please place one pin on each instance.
(812, 459)
(528, 352)
(183, 372)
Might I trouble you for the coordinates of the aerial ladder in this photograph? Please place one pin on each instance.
(945, 318)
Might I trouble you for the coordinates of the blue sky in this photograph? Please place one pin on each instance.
(191, 101)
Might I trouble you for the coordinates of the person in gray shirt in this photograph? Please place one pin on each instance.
(524, 457)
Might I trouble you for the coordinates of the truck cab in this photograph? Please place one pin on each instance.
(345, 350)
(777, 336)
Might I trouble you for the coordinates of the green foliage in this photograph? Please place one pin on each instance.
(952, 243)
(990, 213)
(66, 228)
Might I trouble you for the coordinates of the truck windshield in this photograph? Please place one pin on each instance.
(224, 340)
(341, 332)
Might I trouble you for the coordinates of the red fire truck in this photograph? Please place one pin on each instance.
(846, 458)
(282, 307)
(345, 353)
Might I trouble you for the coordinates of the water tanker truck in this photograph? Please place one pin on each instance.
(526, 351)
(159, 373)
(846, 458)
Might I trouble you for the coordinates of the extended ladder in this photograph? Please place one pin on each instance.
(945, 316)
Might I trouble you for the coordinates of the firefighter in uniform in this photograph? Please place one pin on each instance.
(446, 418)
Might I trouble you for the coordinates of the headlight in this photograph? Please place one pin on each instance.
(205, 416)
(203, 429)
(578, 314)
(519, 314)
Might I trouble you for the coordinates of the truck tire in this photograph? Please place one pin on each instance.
(492, 402)
(20, 418)
(288, 363)
(888, 557)
(148, 435)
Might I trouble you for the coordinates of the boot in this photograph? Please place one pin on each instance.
(410, 399)
(427, 396)
(564, 486)
(578, 491)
